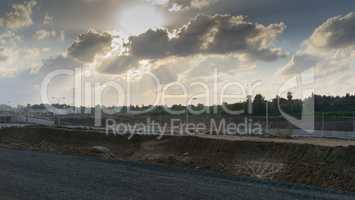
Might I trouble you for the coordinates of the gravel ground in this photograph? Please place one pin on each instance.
(29, 175)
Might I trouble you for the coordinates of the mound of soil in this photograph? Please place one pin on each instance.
(330, 167)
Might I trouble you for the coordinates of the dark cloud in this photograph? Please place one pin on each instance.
(151, 44)
(336, 32)
(205, 35)
(89, 45)
(219, 34)
(267, 54)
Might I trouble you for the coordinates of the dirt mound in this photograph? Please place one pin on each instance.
(331, 167)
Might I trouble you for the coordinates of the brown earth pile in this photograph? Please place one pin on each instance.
(330, 167)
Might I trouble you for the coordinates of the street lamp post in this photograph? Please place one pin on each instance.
(187, 112)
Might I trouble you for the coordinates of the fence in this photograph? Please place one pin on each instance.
(322, 122)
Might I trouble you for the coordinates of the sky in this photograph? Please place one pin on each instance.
(123, 52)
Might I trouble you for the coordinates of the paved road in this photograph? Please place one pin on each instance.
(28, 175)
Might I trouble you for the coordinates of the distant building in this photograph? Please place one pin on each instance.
(6, 119)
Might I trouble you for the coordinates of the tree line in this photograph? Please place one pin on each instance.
(256, 106)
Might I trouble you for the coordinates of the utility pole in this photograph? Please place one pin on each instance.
(187, 115)
(322, 124)
(353, 121)
(267, 117)
(249, 110)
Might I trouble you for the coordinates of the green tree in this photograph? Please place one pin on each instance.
(259, 105)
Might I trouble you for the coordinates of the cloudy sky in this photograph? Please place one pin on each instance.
(134, 43)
